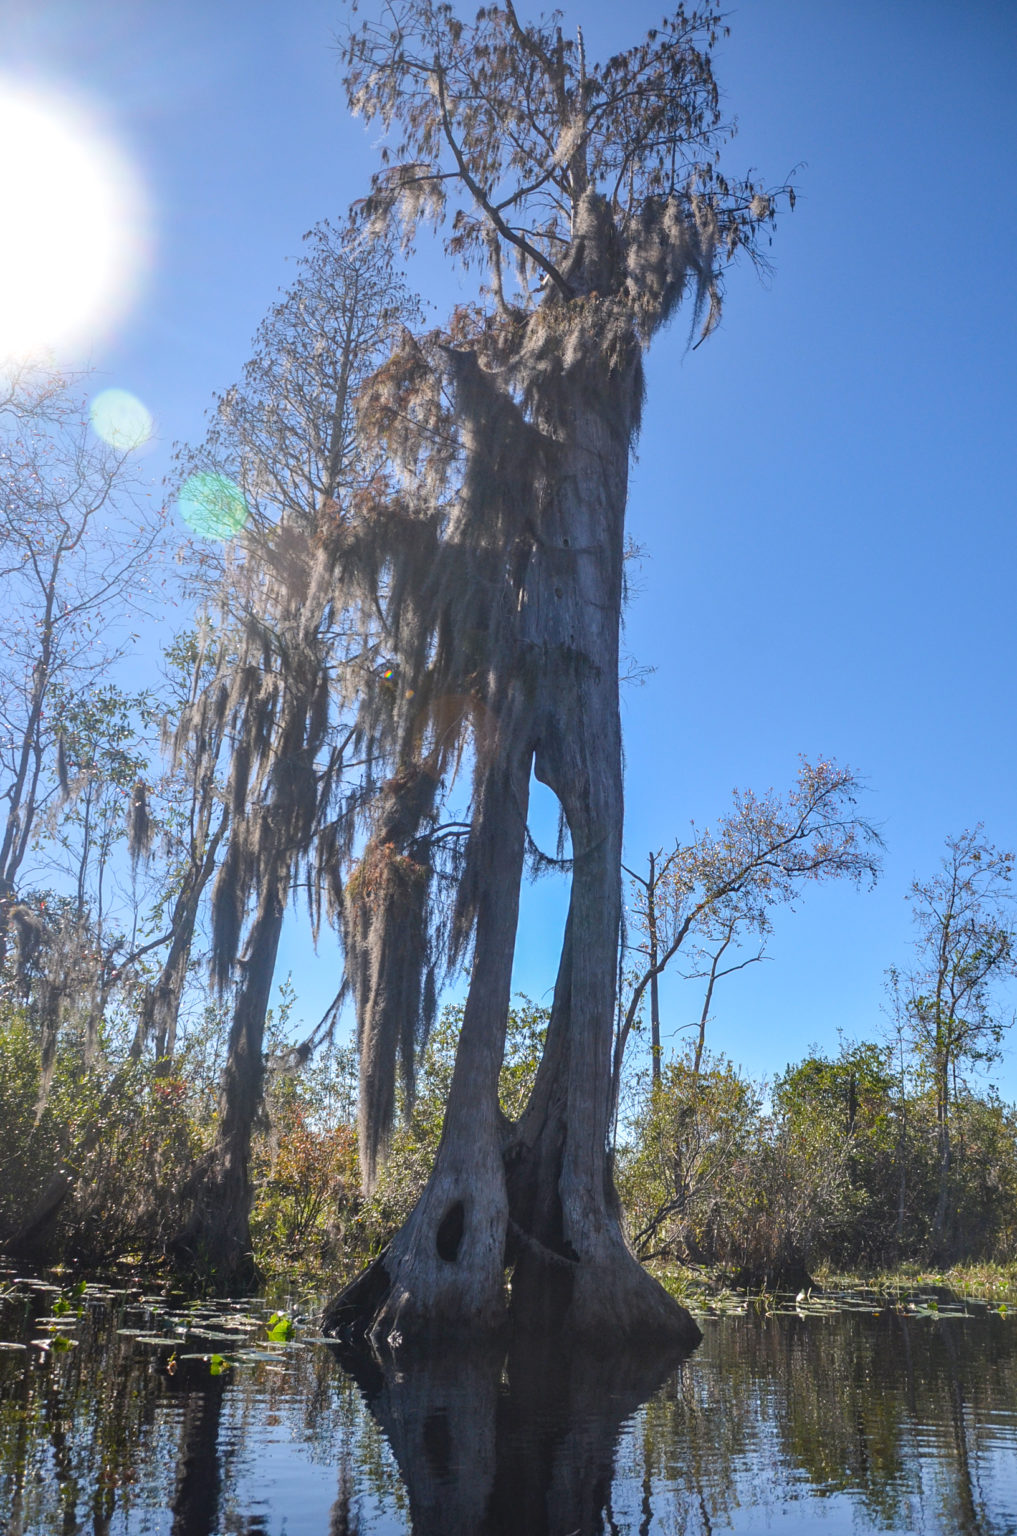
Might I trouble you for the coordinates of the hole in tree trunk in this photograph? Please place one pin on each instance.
(450, 1232)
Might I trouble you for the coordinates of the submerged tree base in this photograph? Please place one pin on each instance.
(601, 1307)
(510, 1242)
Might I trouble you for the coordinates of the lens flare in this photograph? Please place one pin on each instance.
(120, 419)
(74, 242)
(213, 506)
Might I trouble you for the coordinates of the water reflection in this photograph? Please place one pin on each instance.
(879, 1421)
(195, 1505)
(851, 1420)
(489, 1446)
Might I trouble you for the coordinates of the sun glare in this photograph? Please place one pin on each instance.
(213, 505)
(73, 244)
(121, 419)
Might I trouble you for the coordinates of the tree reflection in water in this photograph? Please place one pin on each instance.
(884, 1414)
(195, 1504)
(494, 1446)
(887, 1421)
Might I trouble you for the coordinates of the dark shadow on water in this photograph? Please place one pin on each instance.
(491, 1443)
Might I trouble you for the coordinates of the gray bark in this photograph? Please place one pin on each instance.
(446, 1266)
(548, 434)
(560, 1158)
(573, 1268)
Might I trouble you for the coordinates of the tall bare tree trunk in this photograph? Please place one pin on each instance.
(944, 1160)
(161, 1007)
(216, 1241)
(575, 1258)
(651, 926)
(557, 1220)
(444, 1272)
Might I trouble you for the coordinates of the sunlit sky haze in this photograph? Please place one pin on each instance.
(824, 490)
(75, 243)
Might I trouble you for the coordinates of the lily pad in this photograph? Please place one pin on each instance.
(223, 1336)
(153, 1340)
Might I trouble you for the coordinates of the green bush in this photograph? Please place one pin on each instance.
(688, 1136)
(33, 1139)
(90, 1170)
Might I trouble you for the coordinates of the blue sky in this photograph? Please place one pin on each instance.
(823, 490)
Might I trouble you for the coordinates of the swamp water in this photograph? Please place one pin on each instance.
(134, 1414)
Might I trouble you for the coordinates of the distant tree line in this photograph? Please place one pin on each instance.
(833, 1165)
